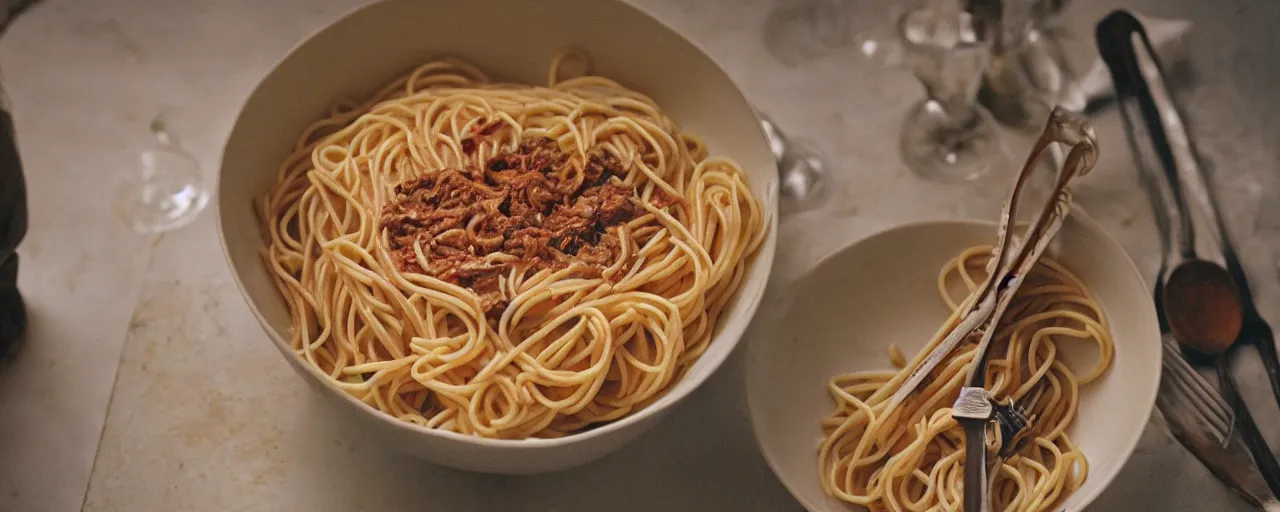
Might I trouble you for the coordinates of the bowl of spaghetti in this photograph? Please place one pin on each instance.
(1078, 350)
(504, 236)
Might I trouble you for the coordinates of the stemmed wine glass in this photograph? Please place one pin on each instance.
(167, 192)
(794, 34)
(1028, 73)
(947, 136)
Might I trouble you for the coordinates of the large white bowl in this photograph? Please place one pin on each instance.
(842, 316)
(514, 40)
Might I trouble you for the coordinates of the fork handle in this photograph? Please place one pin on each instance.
(1257, 333)
(1263, 457)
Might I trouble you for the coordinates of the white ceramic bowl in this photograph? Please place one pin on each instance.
(842, 315)
(513, 40)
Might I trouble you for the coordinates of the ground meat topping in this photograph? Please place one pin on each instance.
(536, 207)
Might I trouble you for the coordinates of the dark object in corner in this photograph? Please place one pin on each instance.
(13, 210)
(10, 9)
(13, 227)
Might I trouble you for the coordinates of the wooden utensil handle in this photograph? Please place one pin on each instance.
(975, 463)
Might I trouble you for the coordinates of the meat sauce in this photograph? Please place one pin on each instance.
(534, 204)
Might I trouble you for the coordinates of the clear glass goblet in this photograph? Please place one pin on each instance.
(168, 190)
(947, 136)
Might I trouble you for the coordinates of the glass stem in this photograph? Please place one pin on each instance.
(960, 109)
(954, 87)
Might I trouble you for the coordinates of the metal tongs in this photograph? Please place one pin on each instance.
(1008, 267)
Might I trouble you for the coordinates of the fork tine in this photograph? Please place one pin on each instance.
(1178, 402)
(1201, 386)
(1185, 394)
(1179, 414)
(1183, 378)
(1182, 410)
(1194, 385)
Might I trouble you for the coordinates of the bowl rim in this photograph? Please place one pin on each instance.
(1129, 443)
(733, 335)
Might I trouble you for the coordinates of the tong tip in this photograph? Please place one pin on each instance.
(1074, 130)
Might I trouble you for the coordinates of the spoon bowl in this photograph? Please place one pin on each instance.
(1203, 307)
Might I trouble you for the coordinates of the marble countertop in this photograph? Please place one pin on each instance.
(146, 385)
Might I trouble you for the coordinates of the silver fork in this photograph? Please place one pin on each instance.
(1184, 393)
(1203, 422)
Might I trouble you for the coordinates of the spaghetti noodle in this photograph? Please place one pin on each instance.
(506, 261)
(912, 457)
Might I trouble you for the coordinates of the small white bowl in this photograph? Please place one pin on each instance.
(841, 317)
(512, 40)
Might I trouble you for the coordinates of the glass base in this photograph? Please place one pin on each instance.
(802, 177)
(935, 147)
(168, 193)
